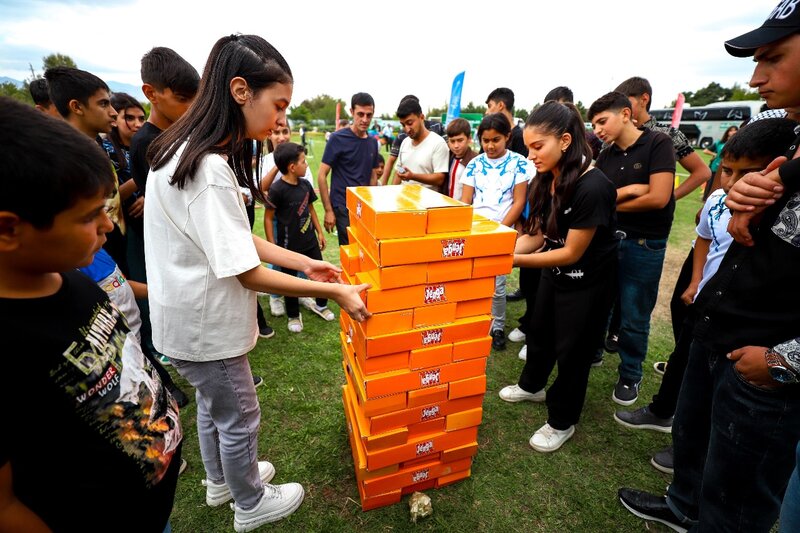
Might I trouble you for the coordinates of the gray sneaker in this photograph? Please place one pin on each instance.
(662, 461)
(626, 391)
(643, 419)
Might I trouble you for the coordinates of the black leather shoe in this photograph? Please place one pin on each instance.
(514, 296)
(650, 507)
(498, 340)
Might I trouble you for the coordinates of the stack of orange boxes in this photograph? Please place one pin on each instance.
(416, 370)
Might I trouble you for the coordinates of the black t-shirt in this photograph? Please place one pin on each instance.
(752, 300)
(517, 143)
(352, 160)
(91, 434)
(292, 205)
(592, 205)
(650, 154)
(139, 145)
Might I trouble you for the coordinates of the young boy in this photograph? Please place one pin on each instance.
(290, 200)
(120, 447)
(423, 154)
(641, 163)
(459, 135)
(501, 100)
(754, 147)
(41, 97)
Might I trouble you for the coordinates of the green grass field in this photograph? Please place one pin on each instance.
(512, 487)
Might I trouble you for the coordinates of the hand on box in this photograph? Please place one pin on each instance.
(350, 301)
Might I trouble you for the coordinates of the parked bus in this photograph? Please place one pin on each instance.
(703, 126)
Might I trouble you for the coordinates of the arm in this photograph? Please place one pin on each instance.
(268, 178)
(317, 228)
(127, 189)
(387, 170)
(373, 178)
(701, 247)
(139, 289)
(517, 206)
(528, 244)
(709, 152)
(628, 192)
(322, 183)
(577, 242)
(751, 362)
(269, 224)
(661, 184)
(467, 193)
(699, 174)
(15, 515)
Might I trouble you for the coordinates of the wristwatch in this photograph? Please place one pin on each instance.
(778, 369)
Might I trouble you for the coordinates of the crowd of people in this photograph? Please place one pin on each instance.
(137, 252)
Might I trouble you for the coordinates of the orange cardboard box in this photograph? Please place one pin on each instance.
(435, 314)
(497, 265)
(415, 463)
(391, 277)
(376, 406)
(385, 323)
(458, 330)
(485, 238)
(428, 357)
(413, 415)
(420, 397)
(388, 212)
(421, 447)
(429, 427)
(348, 257)
(464, 419)
(472, 348)
(381, 300)
(382, 500)
(356, 446)
(467, 387)
(351, 235)
(454, 454)
(482, 306)
(439, 271)
(375, 441)
(374, 365)
(413, 475)
(418, 487)
(452, 478)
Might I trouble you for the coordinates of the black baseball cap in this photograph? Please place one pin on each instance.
(781, 23)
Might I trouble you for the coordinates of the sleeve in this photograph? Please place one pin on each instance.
(225, 238)
(790, 350)
(662, 155)
(441, 157)
(139, 166)
(468, 176)
(524, 172)
(312, 196)
(395, 152)
(703, 227)
(331, 151)
(273, 197)
(594, 202)
(790, 171)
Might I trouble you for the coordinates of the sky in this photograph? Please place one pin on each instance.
(390, 49)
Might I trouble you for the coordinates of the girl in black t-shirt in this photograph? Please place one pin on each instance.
(570, 237)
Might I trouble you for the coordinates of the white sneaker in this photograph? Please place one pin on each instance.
(523, 353)
(514, 393)
(295, 325)
(219, 493)
(516, 335)
(548, 439)
(279, 501)
(277, 307)
(308, 302)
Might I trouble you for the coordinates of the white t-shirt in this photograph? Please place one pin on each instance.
(494, 181)
(430, 156)
(713, 226)
(196, 240)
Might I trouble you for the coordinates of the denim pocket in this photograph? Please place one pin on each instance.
(654, 245)
(757, 388)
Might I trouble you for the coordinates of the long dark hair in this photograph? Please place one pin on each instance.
(214, 124)
(557, 119)
(120, 102)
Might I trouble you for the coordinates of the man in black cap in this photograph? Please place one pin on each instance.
(738, 417)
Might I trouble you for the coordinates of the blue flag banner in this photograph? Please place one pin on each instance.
(454, 109)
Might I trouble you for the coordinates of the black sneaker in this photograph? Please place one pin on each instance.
(626, 391)
(612, 343)
(514, 296)
(257, 381)
(265, 332)
(643, 419)
(498, 339)
(662, 461)
(597, 360)
(650, 507)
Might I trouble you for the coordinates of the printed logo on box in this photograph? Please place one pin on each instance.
(429, 413)
(434, 294)
(453, 247)
(420, 475)
(358, 208)
(429, 377)
(432, 336)
(424, 447)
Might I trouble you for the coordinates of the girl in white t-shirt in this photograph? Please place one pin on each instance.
(494, 183)
(204, 266)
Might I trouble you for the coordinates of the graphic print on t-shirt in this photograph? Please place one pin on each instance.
(118, 394)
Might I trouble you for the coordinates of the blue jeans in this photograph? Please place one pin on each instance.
(734, 446)
(790, 511)
(640, 263)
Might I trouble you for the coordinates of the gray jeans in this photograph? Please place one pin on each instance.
(499, 303)
(228, 416)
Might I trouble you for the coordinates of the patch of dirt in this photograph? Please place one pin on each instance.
(673, 261)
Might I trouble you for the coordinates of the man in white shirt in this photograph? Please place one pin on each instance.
(424, 155)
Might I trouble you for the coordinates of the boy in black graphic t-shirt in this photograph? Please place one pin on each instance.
(91, 434)
(289, 201)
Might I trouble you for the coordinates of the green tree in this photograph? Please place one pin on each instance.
(57, 60)
(322, 107)
(521, 113)
(713, 92)
(582, 109)
(300, 113)
(12, 91)
(472, 108)
(436, 111)
(739, 93)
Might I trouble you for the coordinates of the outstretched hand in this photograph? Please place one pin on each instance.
(323, 271)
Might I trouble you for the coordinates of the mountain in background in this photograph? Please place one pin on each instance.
(115, 86)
